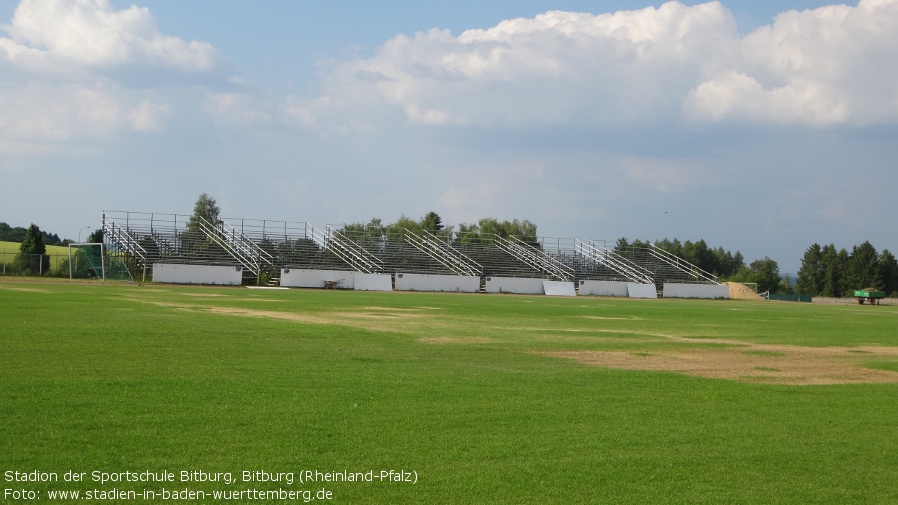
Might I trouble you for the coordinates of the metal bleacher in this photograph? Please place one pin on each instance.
(263, 247)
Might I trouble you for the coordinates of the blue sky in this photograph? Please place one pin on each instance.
(757, 126)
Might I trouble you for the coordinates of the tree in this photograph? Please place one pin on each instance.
(397, 230)
(205, 209)
(766, 274)
(835, 265)
(432, 222)
(490, 228)
(32, 252)
(738, 262)
(468, 234)
(863, 268)
(888, 272)
(699, 255)
(785, 286)
(811, 275)
(96, 236)
(194, 242)
(10, 234)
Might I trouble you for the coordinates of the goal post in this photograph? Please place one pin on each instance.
(102, 257)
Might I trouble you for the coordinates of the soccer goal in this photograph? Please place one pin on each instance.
(94, 257)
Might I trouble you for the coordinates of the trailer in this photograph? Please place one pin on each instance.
(870, 296)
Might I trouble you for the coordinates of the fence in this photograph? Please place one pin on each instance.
(790, 297)
(45, 265)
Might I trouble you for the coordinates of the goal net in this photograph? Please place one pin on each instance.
(94, 260)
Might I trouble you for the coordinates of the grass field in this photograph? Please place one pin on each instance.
(481, 398)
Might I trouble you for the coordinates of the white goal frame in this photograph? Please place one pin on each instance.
(102, 257)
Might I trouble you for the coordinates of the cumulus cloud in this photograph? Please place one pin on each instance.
(55, 112)
(235, 109)
(148, 116)
(68, 67)
(559, 67)
(94, 33)
(832, 65)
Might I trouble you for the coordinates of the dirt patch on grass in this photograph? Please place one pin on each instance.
(371, 318)
(26, 290)
(367, 320)
(457, 340)
(770, 364)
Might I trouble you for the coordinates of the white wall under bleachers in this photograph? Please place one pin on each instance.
(518, 285)
(637, 290)
(301, 278)
(676, 290)
(342, 279)
(197, 274)
(603, 288)
(426, 282)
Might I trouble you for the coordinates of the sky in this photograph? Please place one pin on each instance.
(758, 126)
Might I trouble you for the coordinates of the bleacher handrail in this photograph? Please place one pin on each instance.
(444, 253)
(535, 258)
(353, 254)
(607, 257)
(124, 238)
(681, 264)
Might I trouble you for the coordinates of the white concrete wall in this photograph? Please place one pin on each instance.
(604, 288)
(519, 285)
(299, 278)
(372, 282)
(636, 290)
(425, 282)
(559, 288)
(676, 290)
(197, 274)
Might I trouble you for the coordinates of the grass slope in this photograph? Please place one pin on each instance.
(126, 378)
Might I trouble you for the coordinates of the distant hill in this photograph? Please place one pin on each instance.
(17, 234)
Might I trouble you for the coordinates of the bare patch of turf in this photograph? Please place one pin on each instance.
(782, 364)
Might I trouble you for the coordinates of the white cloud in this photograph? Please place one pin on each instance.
(236, 109)
(68, 71)
(148, 116)
(39, 111)
(832, 65)
(93, 33)
(52, 113)
(556, 68)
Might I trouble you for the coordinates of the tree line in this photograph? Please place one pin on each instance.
(17, 234)
(826, 271)
(482, 231)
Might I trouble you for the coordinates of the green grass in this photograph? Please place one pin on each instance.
(130, 378)
(891, 366)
